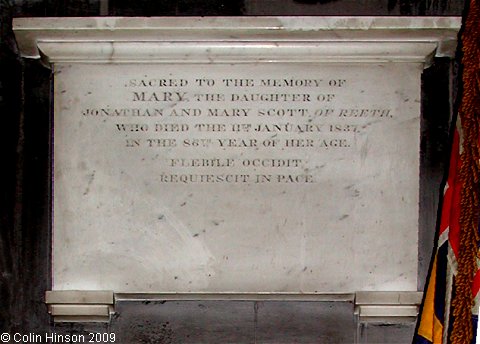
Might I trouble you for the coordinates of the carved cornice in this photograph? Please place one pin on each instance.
(236, 39)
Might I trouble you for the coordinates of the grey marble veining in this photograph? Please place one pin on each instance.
(236, 155)
(265, 186)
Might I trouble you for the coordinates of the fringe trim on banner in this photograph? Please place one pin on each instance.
(469, 112)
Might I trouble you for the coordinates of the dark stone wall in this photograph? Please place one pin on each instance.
(25, 111)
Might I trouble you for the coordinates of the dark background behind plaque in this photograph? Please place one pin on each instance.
(25, 187)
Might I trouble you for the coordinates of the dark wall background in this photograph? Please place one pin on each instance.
(25, 131)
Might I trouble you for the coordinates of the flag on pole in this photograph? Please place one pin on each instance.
(450, 307)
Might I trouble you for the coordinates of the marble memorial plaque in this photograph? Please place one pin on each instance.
(248, 177)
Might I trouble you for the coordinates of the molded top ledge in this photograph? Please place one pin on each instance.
(236, 39)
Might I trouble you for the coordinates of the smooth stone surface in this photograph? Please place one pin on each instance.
(210, 322)
(334, 209)
(305, 322)
(213, 322)
(186, 322)
(381, 333)
(137, 40)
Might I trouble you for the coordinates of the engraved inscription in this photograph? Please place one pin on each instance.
(203, 126)
(236, 177)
